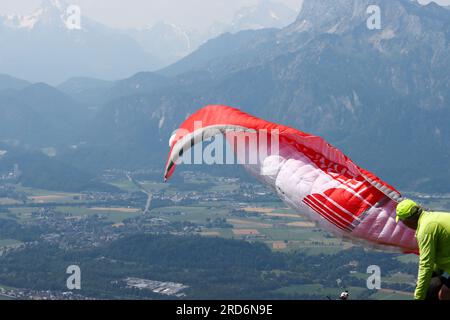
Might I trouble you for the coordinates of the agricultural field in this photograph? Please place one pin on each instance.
(9, 243)
(52, 198)
(8, 201)
(126, 185)
(214, 211)
(280, 228)
(317, 289)
(112, 214)
(388, 294)
(408, 258)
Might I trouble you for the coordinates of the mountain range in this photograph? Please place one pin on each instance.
(41, 47)
(382, 96)
(170, 42)
(60, 52)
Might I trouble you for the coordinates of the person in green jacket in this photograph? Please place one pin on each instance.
(433, 238)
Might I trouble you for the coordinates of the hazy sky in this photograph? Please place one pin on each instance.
(139, 13)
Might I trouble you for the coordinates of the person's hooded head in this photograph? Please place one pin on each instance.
(408, 212)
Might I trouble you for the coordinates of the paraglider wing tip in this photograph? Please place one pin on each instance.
(169, 170)
(166, 176)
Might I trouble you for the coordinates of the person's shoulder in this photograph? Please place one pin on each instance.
(429, 223)
(430, 216)
(439, 213)
(436, 216)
